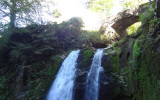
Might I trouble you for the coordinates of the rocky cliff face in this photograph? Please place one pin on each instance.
(135, 65)
(108, 84)
(115, 27)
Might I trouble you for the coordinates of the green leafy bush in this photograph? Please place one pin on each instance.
(93, 39)
(133, 28)
(35, 46)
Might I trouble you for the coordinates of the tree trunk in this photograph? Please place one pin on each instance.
(158, 8)
(156, 15)
(13, 14)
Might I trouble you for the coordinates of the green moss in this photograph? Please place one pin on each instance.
(135, 49)
(147, 73)
(86, 58)
(122, 41)
(142, 79)
(115, 60)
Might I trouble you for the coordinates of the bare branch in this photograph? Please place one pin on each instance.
(4, 20)
(4, 12)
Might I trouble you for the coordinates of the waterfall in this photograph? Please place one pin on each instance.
(62, 87)
(92, 81)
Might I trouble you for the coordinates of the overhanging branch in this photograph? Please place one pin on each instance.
(4, 12)
(4, 20)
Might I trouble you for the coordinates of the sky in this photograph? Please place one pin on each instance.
(76, 8)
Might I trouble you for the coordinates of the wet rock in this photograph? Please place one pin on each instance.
(79, 88)
(81, 74)
(107, 85)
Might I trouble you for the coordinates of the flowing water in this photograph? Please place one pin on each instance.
(62, 87)
(92, 81)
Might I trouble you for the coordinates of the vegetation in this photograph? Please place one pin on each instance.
(135, 61)
(41, 76)
(31, 56)
(103, 6)
(133, 28)
(19, 10)
(127, 4)
(36, 49)
(93, 39)
(86, 58)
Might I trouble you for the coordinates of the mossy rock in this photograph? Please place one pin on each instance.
(85, 58)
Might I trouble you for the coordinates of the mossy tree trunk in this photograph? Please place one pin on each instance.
(12, 14)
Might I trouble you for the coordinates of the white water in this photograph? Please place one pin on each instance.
(92, 81)
(62, 87)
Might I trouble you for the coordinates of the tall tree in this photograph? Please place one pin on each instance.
(17, 10)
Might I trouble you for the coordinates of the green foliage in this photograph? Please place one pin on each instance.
(18, 10)
(133, 28)
(127, 4)
(40, 77)
(139, 73)
(93, 39)
(103, 6)
(36, 46)
(86, 58)
(68, 32)
(147, 75)
(56, 13)
(146, 62)
(36, 42)
(135, 50)
(115, 60)
(147, 18)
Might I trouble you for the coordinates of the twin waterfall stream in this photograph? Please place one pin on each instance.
(63, 85)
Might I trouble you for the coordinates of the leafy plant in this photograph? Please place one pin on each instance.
(93, 38)
(133, 28)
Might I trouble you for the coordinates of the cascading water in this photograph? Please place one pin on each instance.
(92, 84)
(62, 88)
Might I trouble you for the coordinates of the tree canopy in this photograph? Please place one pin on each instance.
(19, 12)
(103, 6)
(132, 3)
